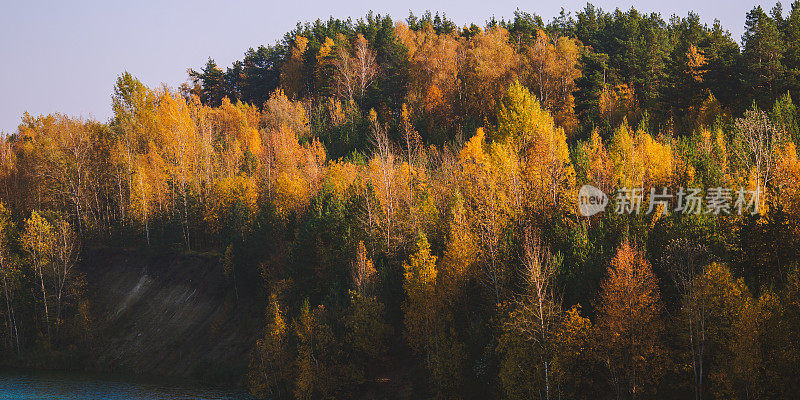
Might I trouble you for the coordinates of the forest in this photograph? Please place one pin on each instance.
(399, 199)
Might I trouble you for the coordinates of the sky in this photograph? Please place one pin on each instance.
(64, 56)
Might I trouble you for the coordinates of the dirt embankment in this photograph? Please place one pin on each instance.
(168, 315)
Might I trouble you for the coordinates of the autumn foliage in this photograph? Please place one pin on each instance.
(394, 205)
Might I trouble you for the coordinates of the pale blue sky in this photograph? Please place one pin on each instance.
(64, 56)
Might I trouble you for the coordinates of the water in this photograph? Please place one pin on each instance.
(49, 386)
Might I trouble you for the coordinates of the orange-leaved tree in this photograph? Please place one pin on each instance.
(629, 326)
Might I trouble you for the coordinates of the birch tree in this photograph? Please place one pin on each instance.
(38, 242)
(536, 315)
(64, 257)
(754, 142)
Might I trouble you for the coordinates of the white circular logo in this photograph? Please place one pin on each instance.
(591, 200)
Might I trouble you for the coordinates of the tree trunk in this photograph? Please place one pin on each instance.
(44, 300)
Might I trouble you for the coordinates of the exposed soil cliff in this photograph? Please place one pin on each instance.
(168, 315)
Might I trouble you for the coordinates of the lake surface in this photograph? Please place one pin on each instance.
(46, 386)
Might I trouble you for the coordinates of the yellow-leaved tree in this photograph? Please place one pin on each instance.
(490, 182)
(436, 63)
(38, 241)
(639, 160)
(549, 66)
(787, 178)
(541, 145)
(489, 59)
(594, 163)
(429, 327)
(291, 172)
(420, 287)
(271, 371)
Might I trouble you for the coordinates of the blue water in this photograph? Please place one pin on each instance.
(46, 386)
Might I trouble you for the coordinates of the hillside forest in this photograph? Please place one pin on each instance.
(395, 203)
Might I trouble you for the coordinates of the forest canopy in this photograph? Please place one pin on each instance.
(399, 199)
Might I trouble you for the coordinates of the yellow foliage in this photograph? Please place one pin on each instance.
(708, 112)
(231, 197)
(282, 113)
(420, 272)
(298, 172)
(325, 50)
(489, 59)
(419, 284)
(461, 251)
(38, 239)
(639, 160)
(696, 62)
(600, 168)
(629, 320)
(291, 172)
(340, 177)
(240, 123)
(472, 156)
(550, 68)
(787, 177)
(434, 71)
(530, 131)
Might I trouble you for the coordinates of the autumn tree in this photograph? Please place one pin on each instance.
(271, 372)
(429, 329)
(531, 131)
(490, 183)
(292, 81)
(66, 168)
(368, 333)
(787, 178)
(356, 69)
(618, 103)
(593, 163)
(550, 68)
(322, 368)
(388, 180)
(134, 107)
(437, 63)
(629, 324)
(686, 262)
(325, 83)
(754, 143)
(291, 172)
(640, 160)
(420, 285)
(574, 364)
(179, 134)
(9, 272)
(38, 240)
(461, 254)
(730, 341)
(65, 249)
(532, 324)
(489, 59)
